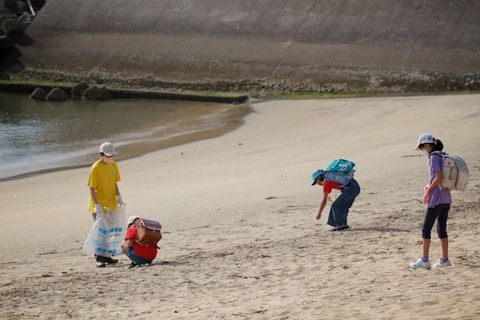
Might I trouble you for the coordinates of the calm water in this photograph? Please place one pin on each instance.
(40, 136)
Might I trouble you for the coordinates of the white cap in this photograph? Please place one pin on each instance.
(425, 138)
(108, 149)
(132, 218)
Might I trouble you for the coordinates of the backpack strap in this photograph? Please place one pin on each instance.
(439, 153)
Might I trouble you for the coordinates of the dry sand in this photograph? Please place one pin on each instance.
(240, 238)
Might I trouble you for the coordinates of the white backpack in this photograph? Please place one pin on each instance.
(454, 171)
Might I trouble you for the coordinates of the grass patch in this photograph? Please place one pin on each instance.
(26, 85)
(37, 83)
(33, 83)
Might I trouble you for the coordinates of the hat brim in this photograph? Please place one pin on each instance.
(315, 176)
(418, 145)
(133, 219)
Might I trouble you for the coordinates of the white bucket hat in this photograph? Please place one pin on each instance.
(108, 149)
(132, 218)
(425, 138)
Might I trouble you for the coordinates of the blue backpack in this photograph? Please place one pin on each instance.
(340, 171)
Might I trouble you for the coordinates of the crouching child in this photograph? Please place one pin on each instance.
(139, 252)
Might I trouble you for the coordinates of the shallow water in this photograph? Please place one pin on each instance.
(42, 136)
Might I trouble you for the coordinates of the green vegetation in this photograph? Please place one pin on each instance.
(33, 82)
(28, 85)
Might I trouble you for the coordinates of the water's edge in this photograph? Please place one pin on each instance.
(141, 151)
(123, 93)
(229, 119)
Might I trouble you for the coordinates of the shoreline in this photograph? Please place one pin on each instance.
(240, 237)
(129, 93)
(184, 138)
(234, 92)
(131, 151)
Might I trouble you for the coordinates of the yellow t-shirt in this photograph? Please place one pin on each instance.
(103, 178)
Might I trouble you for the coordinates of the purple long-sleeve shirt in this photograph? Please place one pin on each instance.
(437, 196)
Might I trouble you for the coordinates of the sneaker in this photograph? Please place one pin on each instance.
(420, 264)
(340, 228)
(441, 264)
(106, 260)
(100, 264)
(111, 261)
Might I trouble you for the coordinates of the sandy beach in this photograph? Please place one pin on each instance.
(240, 236)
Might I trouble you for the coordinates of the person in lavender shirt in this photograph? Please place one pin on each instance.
(437, 200)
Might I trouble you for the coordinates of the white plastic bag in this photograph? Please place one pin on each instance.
(107, 233)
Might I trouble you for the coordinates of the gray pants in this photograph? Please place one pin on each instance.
(340, 207)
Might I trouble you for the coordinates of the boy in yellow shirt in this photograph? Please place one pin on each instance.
(104, 192)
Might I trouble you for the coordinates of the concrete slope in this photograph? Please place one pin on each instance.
(298, 41)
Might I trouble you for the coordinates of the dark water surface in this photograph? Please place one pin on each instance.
(42, 136)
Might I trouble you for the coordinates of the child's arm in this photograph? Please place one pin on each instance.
(322, 206)
(93, 194)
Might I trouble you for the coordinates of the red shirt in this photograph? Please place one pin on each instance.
(142, 250)
(329, 185)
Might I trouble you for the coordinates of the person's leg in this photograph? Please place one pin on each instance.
(136, 259)
(331, 217)
(98, 259)
(352, 190)
(426, 248)
(442, 230)
(444, 242)
(428, 221)
(339, 211)
(344, 202)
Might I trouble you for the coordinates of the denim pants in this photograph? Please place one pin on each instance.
(340, 207)
(137, 259)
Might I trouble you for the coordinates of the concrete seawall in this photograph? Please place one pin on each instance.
(250, 42)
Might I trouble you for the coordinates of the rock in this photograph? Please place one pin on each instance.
(56, 94)
(5, 43)
(37, 4)
(21, 7)
(96, 93)
(10, 5)
(4, 13)
(78, 90)
(38, 94)
(25, 17)
(10, 26)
